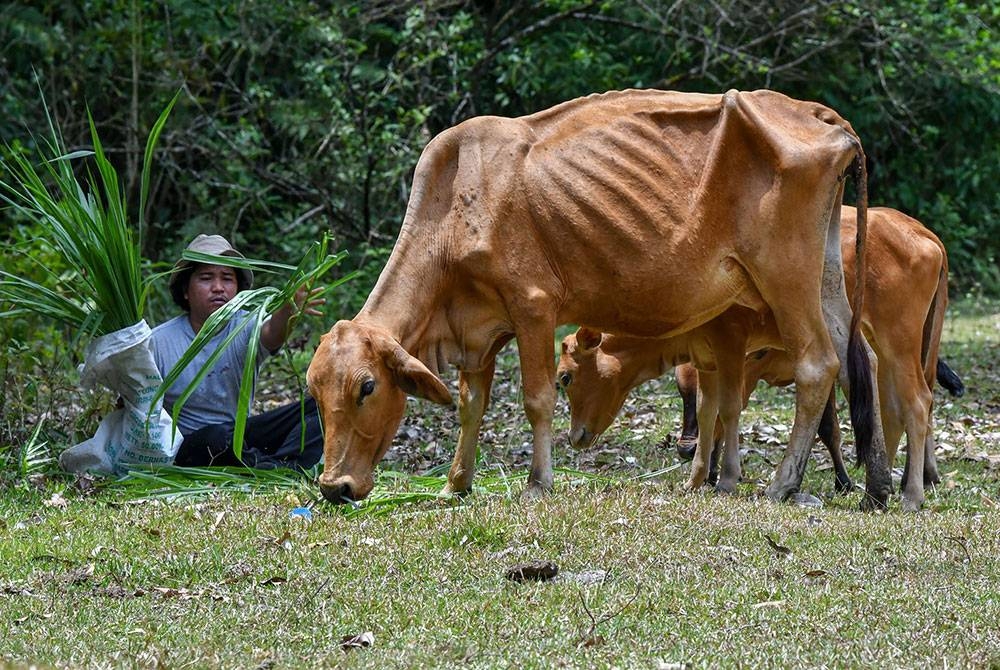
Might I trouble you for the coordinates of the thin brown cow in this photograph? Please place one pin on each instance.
(638, 212)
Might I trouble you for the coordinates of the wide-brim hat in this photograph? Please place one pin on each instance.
(218, 246)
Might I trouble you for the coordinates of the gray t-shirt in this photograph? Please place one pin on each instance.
(214, 400)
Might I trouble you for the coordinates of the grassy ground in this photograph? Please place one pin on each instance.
(649, 577)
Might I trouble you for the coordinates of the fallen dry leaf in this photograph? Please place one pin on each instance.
(780, 550)
(14, 590)
(273, 580)
(285, 541)
(85, 483)
(56, 501)
(359, 641)
(114, 591)
(80, 575)
(591, 641)
(768, 603)
(535, 571)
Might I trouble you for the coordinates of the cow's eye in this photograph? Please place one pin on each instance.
(564, 379)
(367, 388)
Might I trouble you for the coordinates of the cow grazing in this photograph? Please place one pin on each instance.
(902, 316)
(639, 212)
(598, 373)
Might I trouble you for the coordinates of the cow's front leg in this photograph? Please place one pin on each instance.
(538, 372)
(730, 404)
(473, 398)
(708, 413)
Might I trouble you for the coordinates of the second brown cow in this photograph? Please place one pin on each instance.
(906, 297)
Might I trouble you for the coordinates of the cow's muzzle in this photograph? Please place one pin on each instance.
(344, 488)
(581, 438)
(337, 493)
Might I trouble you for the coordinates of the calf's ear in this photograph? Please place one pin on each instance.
(588, 338)
(414, 377)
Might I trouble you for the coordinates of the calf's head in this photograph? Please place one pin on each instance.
(592, 380)
(359, 377)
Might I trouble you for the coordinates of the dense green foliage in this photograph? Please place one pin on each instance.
(309, 116)
(298, 118)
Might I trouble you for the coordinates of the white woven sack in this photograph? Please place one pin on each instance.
(140, 433)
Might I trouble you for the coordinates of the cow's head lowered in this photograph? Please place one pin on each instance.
(360, 376)
(594, 385)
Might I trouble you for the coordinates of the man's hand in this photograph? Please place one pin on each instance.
(307, 301)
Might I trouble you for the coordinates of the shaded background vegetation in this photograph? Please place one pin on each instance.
(302, 117)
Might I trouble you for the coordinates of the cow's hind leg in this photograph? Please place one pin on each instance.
(687, 386)
(858, 365)
(473, 398)
(917, 403)
(829, 434)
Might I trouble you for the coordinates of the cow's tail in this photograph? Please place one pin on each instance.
(949, 379)
(934, 367)
(859, 372)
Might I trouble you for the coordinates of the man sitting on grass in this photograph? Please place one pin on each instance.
(279, 437)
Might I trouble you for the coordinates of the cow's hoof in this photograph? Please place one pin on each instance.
(686, 449)
(725, 488)
(693, 484)
(870, 503)
(457, 491)
(911, 506)
(779, 493)
(535, 491)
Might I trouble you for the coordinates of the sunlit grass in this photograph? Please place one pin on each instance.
(128, 574)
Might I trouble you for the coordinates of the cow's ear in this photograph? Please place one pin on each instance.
(414, 377)
(567, 343)
(587, 338)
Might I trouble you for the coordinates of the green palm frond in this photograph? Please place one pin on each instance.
(256, 305)
(393, 491)
(34, 454)
(86, 224)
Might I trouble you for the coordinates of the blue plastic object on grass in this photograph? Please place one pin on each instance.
(301, 512)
